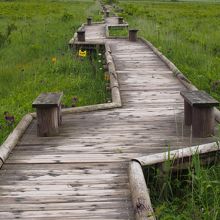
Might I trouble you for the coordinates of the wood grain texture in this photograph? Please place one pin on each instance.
(45, 100)
(48, 121)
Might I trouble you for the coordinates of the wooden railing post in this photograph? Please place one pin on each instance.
(107, 14)
(133, 34)
(89, 21)
(81, 35)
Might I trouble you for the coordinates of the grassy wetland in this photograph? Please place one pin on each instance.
(34, 57)
(187, 194)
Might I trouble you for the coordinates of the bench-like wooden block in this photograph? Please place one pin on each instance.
(199, 112)
(49, 115)
(203, 122)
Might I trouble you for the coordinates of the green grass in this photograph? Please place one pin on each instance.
(118, 32)
(32, 34)
(188, 194)
(187, 33)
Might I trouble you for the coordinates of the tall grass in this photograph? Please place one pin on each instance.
(34, 56)
(192, 193)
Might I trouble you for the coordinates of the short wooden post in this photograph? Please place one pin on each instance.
(59, 108)
(89, 21)
(107, 14)
(47, 123)
(187, 113)
(203, 120)
(133, 35)
(49, 116)
(81, 35)
(120, 20)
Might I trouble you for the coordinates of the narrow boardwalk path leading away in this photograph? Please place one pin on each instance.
(82, 173)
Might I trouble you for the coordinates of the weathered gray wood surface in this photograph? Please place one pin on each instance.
(199, 98)
(82, 172)
(45, 100)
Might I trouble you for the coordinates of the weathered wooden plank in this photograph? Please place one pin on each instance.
(88, 192)
(72, 158)
(64, 187)
(92, 214)
(100, 167)
(24, 181)
(47, 100)
(199, 98)
(64, 199)
(65, 206)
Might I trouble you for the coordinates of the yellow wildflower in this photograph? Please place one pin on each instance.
(54, 59)
(107, 77)
(82, 53)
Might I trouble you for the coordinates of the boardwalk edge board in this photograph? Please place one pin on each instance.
(13, 138)
(180, 76)
(204, 149)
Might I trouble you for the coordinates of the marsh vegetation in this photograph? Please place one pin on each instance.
(35, 58)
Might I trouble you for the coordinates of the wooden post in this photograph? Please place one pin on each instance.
(81, 35)
(89, 21)
(187, 113)
(140, 194)
(199, 109)
(120, 20)
(47, 123)
(133, 35)
(107, 14)
(49, 114)
(203, 120)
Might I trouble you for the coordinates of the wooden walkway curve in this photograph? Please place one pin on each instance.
(82, 173)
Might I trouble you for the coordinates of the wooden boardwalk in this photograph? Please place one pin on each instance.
(82, 173)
